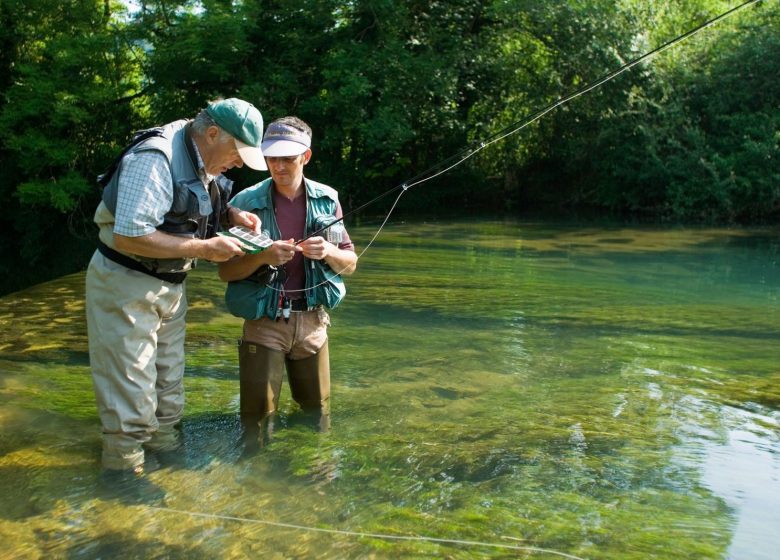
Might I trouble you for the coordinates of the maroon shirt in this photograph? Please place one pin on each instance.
(291, 219)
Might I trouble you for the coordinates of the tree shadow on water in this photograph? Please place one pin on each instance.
(48, 322)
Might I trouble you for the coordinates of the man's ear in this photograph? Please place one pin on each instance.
(306, 156)
(212, 134)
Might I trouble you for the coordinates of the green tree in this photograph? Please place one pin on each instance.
(66, 105)
(702, 143)
(541, 53)
(395, 94)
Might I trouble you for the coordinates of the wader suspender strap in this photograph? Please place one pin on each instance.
(139, 137)
(132, 264)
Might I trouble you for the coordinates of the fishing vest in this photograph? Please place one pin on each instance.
(195, 212)
(255, 297)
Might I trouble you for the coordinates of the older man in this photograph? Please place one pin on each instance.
(164, 200)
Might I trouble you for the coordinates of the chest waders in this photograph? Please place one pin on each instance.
(136, 322)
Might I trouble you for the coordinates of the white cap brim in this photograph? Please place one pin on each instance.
(283, 148)
(251, 156)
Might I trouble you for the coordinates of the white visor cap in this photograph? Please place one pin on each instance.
(283, 140)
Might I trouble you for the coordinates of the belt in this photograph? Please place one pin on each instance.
(301, 305)
(132, 264)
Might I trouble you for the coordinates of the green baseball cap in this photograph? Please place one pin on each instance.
(245, 123)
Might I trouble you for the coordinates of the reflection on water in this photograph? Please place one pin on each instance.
(509, 389)
(743, 466)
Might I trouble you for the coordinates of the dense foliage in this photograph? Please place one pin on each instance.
(391, 88)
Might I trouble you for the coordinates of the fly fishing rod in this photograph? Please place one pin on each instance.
(455, 160)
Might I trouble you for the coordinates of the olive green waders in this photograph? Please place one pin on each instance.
(261, 371)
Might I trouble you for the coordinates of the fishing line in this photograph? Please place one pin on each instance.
(366, 535)
(428, 174)
(457, 159)
(517, 126)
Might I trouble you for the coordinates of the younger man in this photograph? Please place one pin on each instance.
(283, 291)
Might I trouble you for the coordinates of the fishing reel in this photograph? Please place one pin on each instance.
(330, 231)
(268, 275)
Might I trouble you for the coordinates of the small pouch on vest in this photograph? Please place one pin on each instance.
(192, 199)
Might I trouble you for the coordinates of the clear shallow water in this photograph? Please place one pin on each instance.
(580, 391)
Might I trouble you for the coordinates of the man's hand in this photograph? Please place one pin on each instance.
(319, 249)
(281, 252)
(220, 248)
(316, 248)
(243, 218)
(160, 245)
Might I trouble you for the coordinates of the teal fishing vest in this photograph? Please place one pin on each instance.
(253, 298)
(194, 212)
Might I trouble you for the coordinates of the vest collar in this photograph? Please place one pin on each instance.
(194, 154)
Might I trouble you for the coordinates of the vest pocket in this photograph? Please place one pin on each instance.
(330, 288)
(191, 199)
(247, 299)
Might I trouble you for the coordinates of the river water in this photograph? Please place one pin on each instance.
(500, 390)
